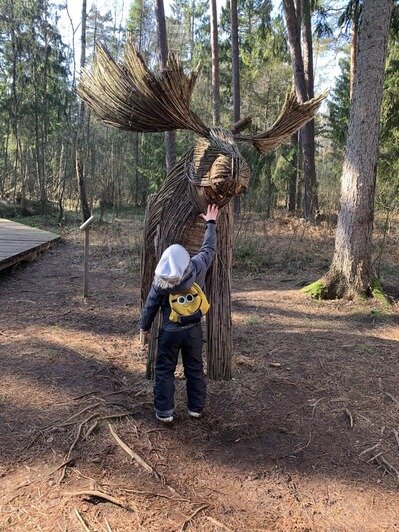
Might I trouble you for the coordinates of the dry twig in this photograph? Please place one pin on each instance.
(296, 451)
(348, 413)
(108, 527)
(189, 519)
(396, 435)
(369, 449)
(81, 521)
(392, 397)
(375, 457)
(388, 467)
(100, 495)
(68, 456)
(154, 494)
(131, 453)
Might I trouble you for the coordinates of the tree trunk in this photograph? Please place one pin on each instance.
(302, 83)
(351, 271)
(170, 136)
(235, 74)
(292, 178)
(309, 166)
(84, 204)
(215, 65)
(355, 29)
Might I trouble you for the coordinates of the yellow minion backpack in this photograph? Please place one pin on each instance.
(188, 308)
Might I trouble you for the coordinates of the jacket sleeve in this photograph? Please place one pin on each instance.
(150, 309)
(206, 254)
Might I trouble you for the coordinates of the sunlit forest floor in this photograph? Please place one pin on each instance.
(305, 437)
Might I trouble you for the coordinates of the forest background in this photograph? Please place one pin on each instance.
(40, 113)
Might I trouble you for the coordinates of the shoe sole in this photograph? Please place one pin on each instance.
(165, 419)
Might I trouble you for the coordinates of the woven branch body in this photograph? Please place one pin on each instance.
(203, 176)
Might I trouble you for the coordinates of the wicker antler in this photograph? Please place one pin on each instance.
(129, 96)
(293, 116)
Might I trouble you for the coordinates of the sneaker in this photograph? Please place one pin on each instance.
(164, 419)
(194, 414)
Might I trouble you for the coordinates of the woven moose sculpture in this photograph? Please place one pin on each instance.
(131, 97)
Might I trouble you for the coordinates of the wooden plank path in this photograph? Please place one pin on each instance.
(20, 242)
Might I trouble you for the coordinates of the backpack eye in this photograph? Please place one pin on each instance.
(189, 298)
(181, 300)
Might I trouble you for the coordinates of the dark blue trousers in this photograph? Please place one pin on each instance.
(189, 342)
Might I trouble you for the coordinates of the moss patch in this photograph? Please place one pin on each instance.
(378, 294)
(316, 290)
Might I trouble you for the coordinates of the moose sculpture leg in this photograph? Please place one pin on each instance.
(219, 326)
(130, 96)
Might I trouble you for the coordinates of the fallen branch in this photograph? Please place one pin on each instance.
(108, 527)
(154, 494)
(81, 521)
(100, 495)
(392, 397)
(68, 456)
(369, 449)
(65, 463)
(396, 435)
(90, 429)
(348, 413)
(66, 422)
(375, 457)
(84, 395)
(389, 468)
(131, 453)
(189, 519)
(296, 451)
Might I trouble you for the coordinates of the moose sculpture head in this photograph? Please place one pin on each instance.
(129, 96)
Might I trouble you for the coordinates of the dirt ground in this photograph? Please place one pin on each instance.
(305, 437)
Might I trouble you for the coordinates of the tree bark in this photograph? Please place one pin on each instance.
(170, 136)
(355, 29)
(351, 271)
(303, 79)
(84, 204)
(215, 65)
(235, 74)
(292, 178)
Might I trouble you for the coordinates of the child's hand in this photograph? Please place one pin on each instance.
(211, 213)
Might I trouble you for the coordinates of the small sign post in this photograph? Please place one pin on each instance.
(86, 227)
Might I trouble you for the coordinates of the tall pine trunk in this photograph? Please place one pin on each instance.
(351, 272)
(170, 136)
(235, 74)
(215, 65)
(293, 15)
(84, 204)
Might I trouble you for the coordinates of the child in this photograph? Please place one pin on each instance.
(175, 274)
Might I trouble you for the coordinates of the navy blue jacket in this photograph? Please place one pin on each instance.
(159, 297)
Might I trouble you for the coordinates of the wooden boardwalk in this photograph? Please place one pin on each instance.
(20, 242)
